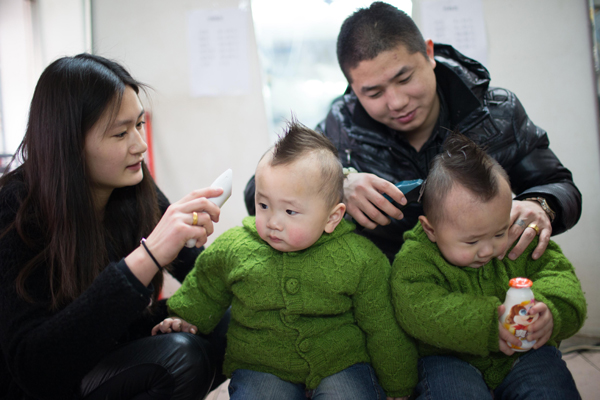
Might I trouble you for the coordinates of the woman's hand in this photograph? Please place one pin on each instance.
(175, 227)
(173, 230)
(364, 199)
(174, 325)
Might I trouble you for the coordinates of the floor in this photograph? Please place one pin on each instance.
(582, 355)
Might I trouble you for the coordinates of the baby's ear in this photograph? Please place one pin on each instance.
(427, 227)
(335, 216)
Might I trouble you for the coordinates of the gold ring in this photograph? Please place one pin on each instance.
(194, 218)
(534, 227)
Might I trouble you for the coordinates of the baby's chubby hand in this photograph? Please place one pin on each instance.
(540, 330)
(174, 325)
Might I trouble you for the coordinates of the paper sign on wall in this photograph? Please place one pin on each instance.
(218, 52)
(459, 23)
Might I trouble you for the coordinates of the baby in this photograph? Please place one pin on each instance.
(311, 312)
(450, 279)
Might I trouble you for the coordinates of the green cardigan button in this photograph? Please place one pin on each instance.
(291, 318)
(305, 345)
(292, 286)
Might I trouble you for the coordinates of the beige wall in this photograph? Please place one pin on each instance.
(195, 139)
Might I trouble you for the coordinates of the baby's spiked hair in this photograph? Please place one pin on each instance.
(461, 162)
(299, 141)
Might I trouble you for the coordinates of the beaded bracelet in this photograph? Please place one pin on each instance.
(143, 243)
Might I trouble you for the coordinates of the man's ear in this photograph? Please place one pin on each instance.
(335, 216)
(427, 227)
(430, 54)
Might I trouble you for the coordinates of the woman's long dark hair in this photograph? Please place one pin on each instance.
(76, 243)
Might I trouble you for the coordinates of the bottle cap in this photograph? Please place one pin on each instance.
(520, 283)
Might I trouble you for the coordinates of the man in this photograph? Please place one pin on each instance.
(405, 96)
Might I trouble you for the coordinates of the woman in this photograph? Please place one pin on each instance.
(78, 288)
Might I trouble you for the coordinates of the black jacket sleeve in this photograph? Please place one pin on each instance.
(48, 353)
(537, 171)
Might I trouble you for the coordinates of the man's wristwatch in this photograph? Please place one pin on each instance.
(545, 206)
(348, 171)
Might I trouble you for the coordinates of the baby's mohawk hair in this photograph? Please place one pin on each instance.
(464, 163)
(299, 141)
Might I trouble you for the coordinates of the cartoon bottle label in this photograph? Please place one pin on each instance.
(516, 318)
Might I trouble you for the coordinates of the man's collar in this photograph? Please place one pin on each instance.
(463, 103)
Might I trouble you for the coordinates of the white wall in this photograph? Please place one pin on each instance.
(33, 34)
(542, 51)
(195, 139)
(17, 78)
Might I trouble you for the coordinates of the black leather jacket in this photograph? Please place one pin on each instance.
(492, 117)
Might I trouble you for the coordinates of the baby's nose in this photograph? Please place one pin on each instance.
(273, 223)
(486, 251)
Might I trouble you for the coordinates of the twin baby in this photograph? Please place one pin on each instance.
(318, 312)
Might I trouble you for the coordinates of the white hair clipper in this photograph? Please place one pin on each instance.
(224, 181)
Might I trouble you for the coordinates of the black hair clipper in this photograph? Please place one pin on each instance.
(411, 190)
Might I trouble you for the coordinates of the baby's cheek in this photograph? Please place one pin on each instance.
(260, 228)
(501, 249)
(465, 258)
(297, 237)
(455, 255)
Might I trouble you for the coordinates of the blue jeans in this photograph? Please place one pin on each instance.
(537, 374)
(357, 382)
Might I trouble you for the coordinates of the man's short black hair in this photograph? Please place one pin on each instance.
(370, 31)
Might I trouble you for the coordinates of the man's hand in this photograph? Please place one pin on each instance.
(363, 196)
(523, 214)
(540, 330)
(174, 325)
(505, 336)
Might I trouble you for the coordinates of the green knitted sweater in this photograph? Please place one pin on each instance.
(453, 310)
(304, 315)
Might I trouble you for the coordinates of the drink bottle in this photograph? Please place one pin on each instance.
(519, 299)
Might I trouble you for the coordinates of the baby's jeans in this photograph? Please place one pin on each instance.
(537, 374)
(357, 382)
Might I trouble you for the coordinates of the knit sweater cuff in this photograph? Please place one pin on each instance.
(133, 280)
